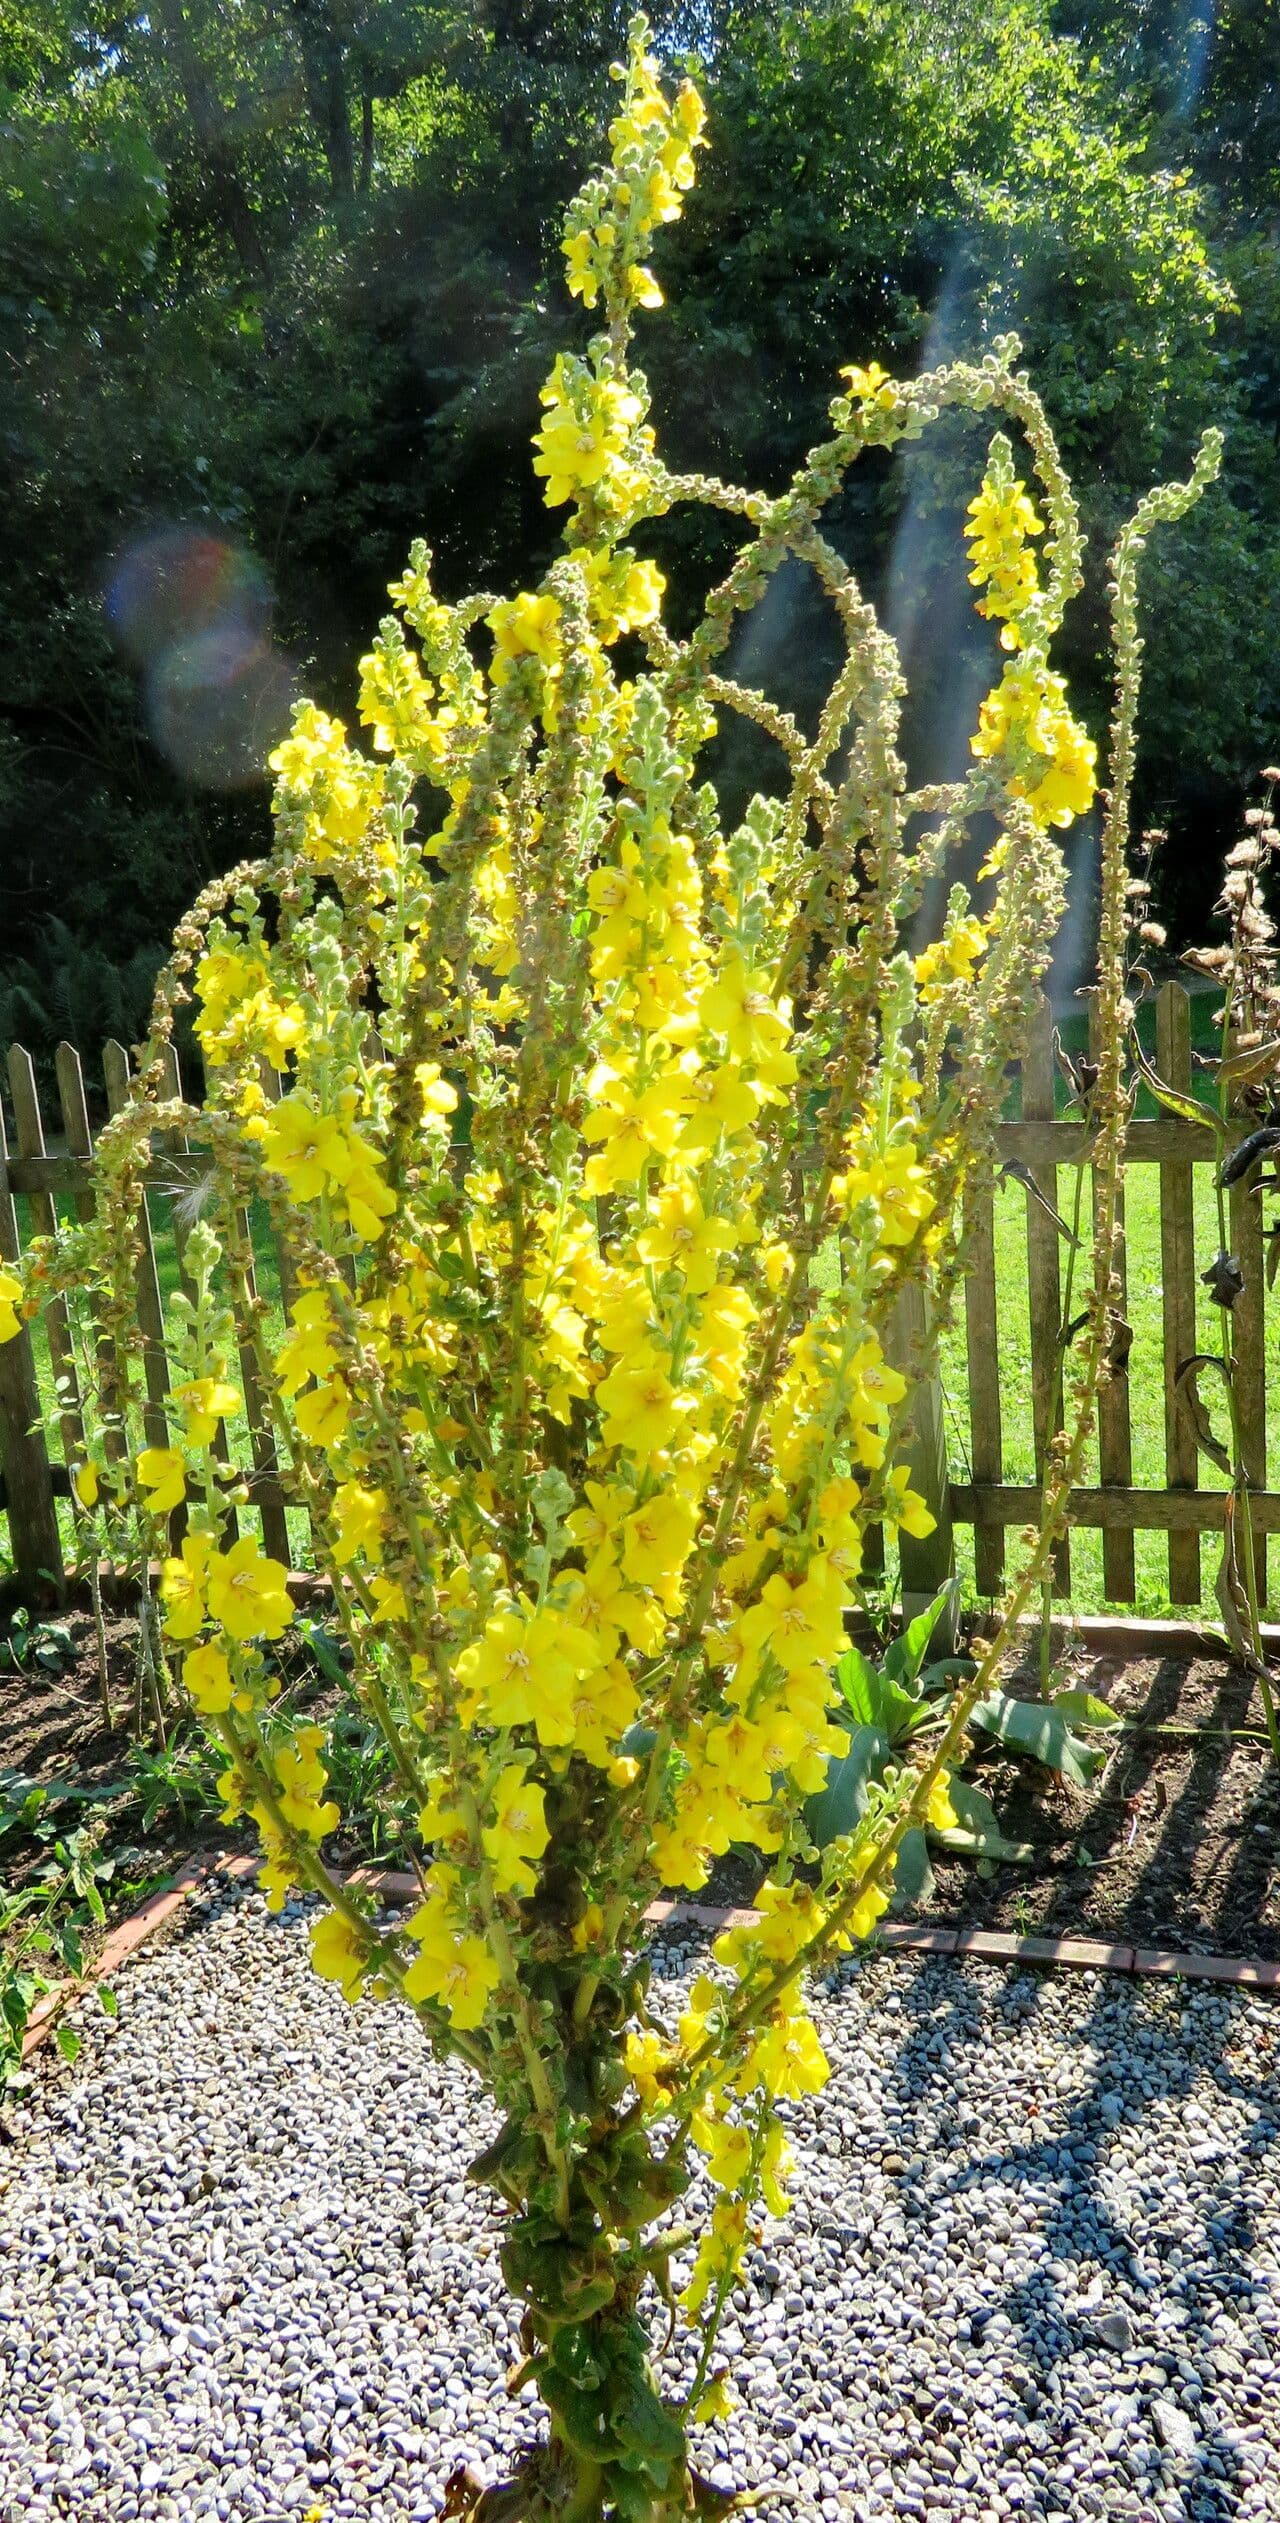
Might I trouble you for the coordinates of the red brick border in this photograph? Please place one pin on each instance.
(967, 1944)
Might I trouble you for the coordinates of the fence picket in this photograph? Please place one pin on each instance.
(1044, 1279)
(1248, 1340)
(986, 1438)
(927, 1564)
(284, 1269)
(29, 1133)
(34, 1539)
(1115, 1432)
(1178, 1289)
(115, 1071)
(79, 1138)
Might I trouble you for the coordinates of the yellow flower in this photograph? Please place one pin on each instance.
(1026, 724)
(722, 1102)
(719, 2254)
(11, 1293)
(898, 1185)
(359, 1518)
(322, 1416)
(728, 2153)
(525, 626)
(756, 1027)
(651, 2064)
(182, 1586)
(787, 2059)
(631, 1126)
(203, 1402)
(453, 1969)
(643, 1411)
(248, 1593)
(206, 1676)
(161, 1474)
(302, 1779)
(523, 1668)
(903, 1507)
(684, 1238)
(867, 1910)
(308, 1349)
(941, 1813)
(1001, 519)
(518, 1834)
(338, 1952)
(302, 1144)
(85, 1483)
(797, 1625)
(439, 1099)
(953, 957)
(589, 423)
(656, 1540)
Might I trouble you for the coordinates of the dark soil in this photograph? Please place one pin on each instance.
(54, 1733)
(1175, 1843)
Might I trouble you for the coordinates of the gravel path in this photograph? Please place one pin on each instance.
(1034, 2267)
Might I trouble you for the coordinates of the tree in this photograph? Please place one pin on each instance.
(278, 277)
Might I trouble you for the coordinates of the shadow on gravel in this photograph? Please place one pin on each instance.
(1120, 2240)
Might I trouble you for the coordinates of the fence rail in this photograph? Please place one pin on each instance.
(974, 1490)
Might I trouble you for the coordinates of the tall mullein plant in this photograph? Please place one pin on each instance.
(556, 1089)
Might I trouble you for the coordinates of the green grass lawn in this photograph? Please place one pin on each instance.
(1146, 1384)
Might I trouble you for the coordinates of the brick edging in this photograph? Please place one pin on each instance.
(966, 1944)
(975, 1944)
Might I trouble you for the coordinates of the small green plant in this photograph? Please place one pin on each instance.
(176, 1781)
(36, 1646)
(899, 1702)
(44, 1930)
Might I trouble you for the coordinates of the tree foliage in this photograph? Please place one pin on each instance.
(276, 286)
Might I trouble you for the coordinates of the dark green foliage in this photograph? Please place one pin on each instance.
(279, 282)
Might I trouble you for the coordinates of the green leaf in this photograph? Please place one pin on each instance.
(874, 1699)
(904, 1658)
(860, 1684)
(1033, 1727)
(913, 1874)
(68, 2042)
(979, 1834)
(1084, 1708)
(108, 2000)
(15, 2005)
(582, 2414)
(324, 1649)
(71, 1950)
(838, 1808)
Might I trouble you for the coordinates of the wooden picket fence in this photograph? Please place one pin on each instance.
(983, 1498)
(31, 1482)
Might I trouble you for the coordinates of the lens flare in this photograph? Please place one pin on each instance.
(192, 609)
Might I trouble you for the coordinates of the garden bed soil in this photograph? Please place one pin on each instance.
(53, 1732)
(1176, 1843)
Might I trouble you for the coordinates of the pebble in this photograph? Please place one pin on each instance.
(1033, 2268)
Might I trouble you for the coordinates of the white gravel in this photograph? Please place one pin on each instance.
(1034, 2267)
